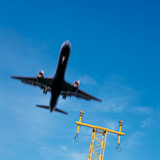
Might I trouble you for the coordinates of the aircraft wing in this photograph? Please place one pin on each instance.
(42, 83)
(70, 90)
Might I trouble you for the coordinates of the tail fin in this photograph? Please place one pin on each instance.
(58, 110)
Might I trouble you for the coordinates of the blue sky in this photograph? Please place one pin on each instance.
(115, 54)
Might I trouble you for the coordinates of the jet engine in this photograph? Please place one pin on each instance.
(40, 75)
(76, 84)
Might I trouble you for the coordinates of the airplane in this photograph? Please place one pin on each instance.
(57, 85)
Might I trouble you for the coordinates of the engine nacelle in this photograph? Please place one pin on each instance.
(40, 74)
(76, 84)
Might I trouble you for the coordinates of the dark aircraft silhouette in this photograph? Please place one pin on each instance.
(57, 85)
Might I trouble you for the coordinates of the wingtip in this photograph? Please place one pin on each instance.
(99, 100)
(14, 77)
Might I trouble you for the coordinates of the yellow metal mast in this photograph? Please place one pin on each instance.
(98, 140)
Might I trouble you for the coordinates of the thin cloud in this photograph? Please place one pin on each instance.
(63, 148)
(87, 80)
(118, 97)
(142, 110)
(85, 133)
(113, 104)
(6, 151)
(115, 95)
(113, 125)
(77, 156)
(147, 123)
(133, 140)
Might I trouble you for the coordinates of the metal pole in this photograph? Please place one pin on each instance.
(80, 118)
(91, 145)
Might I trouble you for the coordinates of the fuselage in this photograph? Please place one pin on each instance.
(59, 75)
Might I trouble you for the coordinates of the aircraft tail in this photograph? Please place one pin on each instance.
(56, 109)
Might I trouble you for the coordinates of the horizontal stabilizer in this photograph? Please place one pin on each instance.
(46, 107)
(58, 110)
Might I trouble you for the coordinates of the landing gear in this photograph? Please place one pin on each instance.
(64, 97)
(46, 90)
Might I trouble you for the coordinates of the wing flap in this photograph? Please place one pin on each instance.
(69, 90)
(44, 83)
(76, 94)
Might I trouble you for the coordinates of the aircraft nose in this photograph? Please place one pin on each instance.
(66, 45)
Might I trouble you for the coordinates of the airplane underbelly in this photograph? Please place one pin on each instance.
(56, 90)
(53, 103)
(57, 86)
